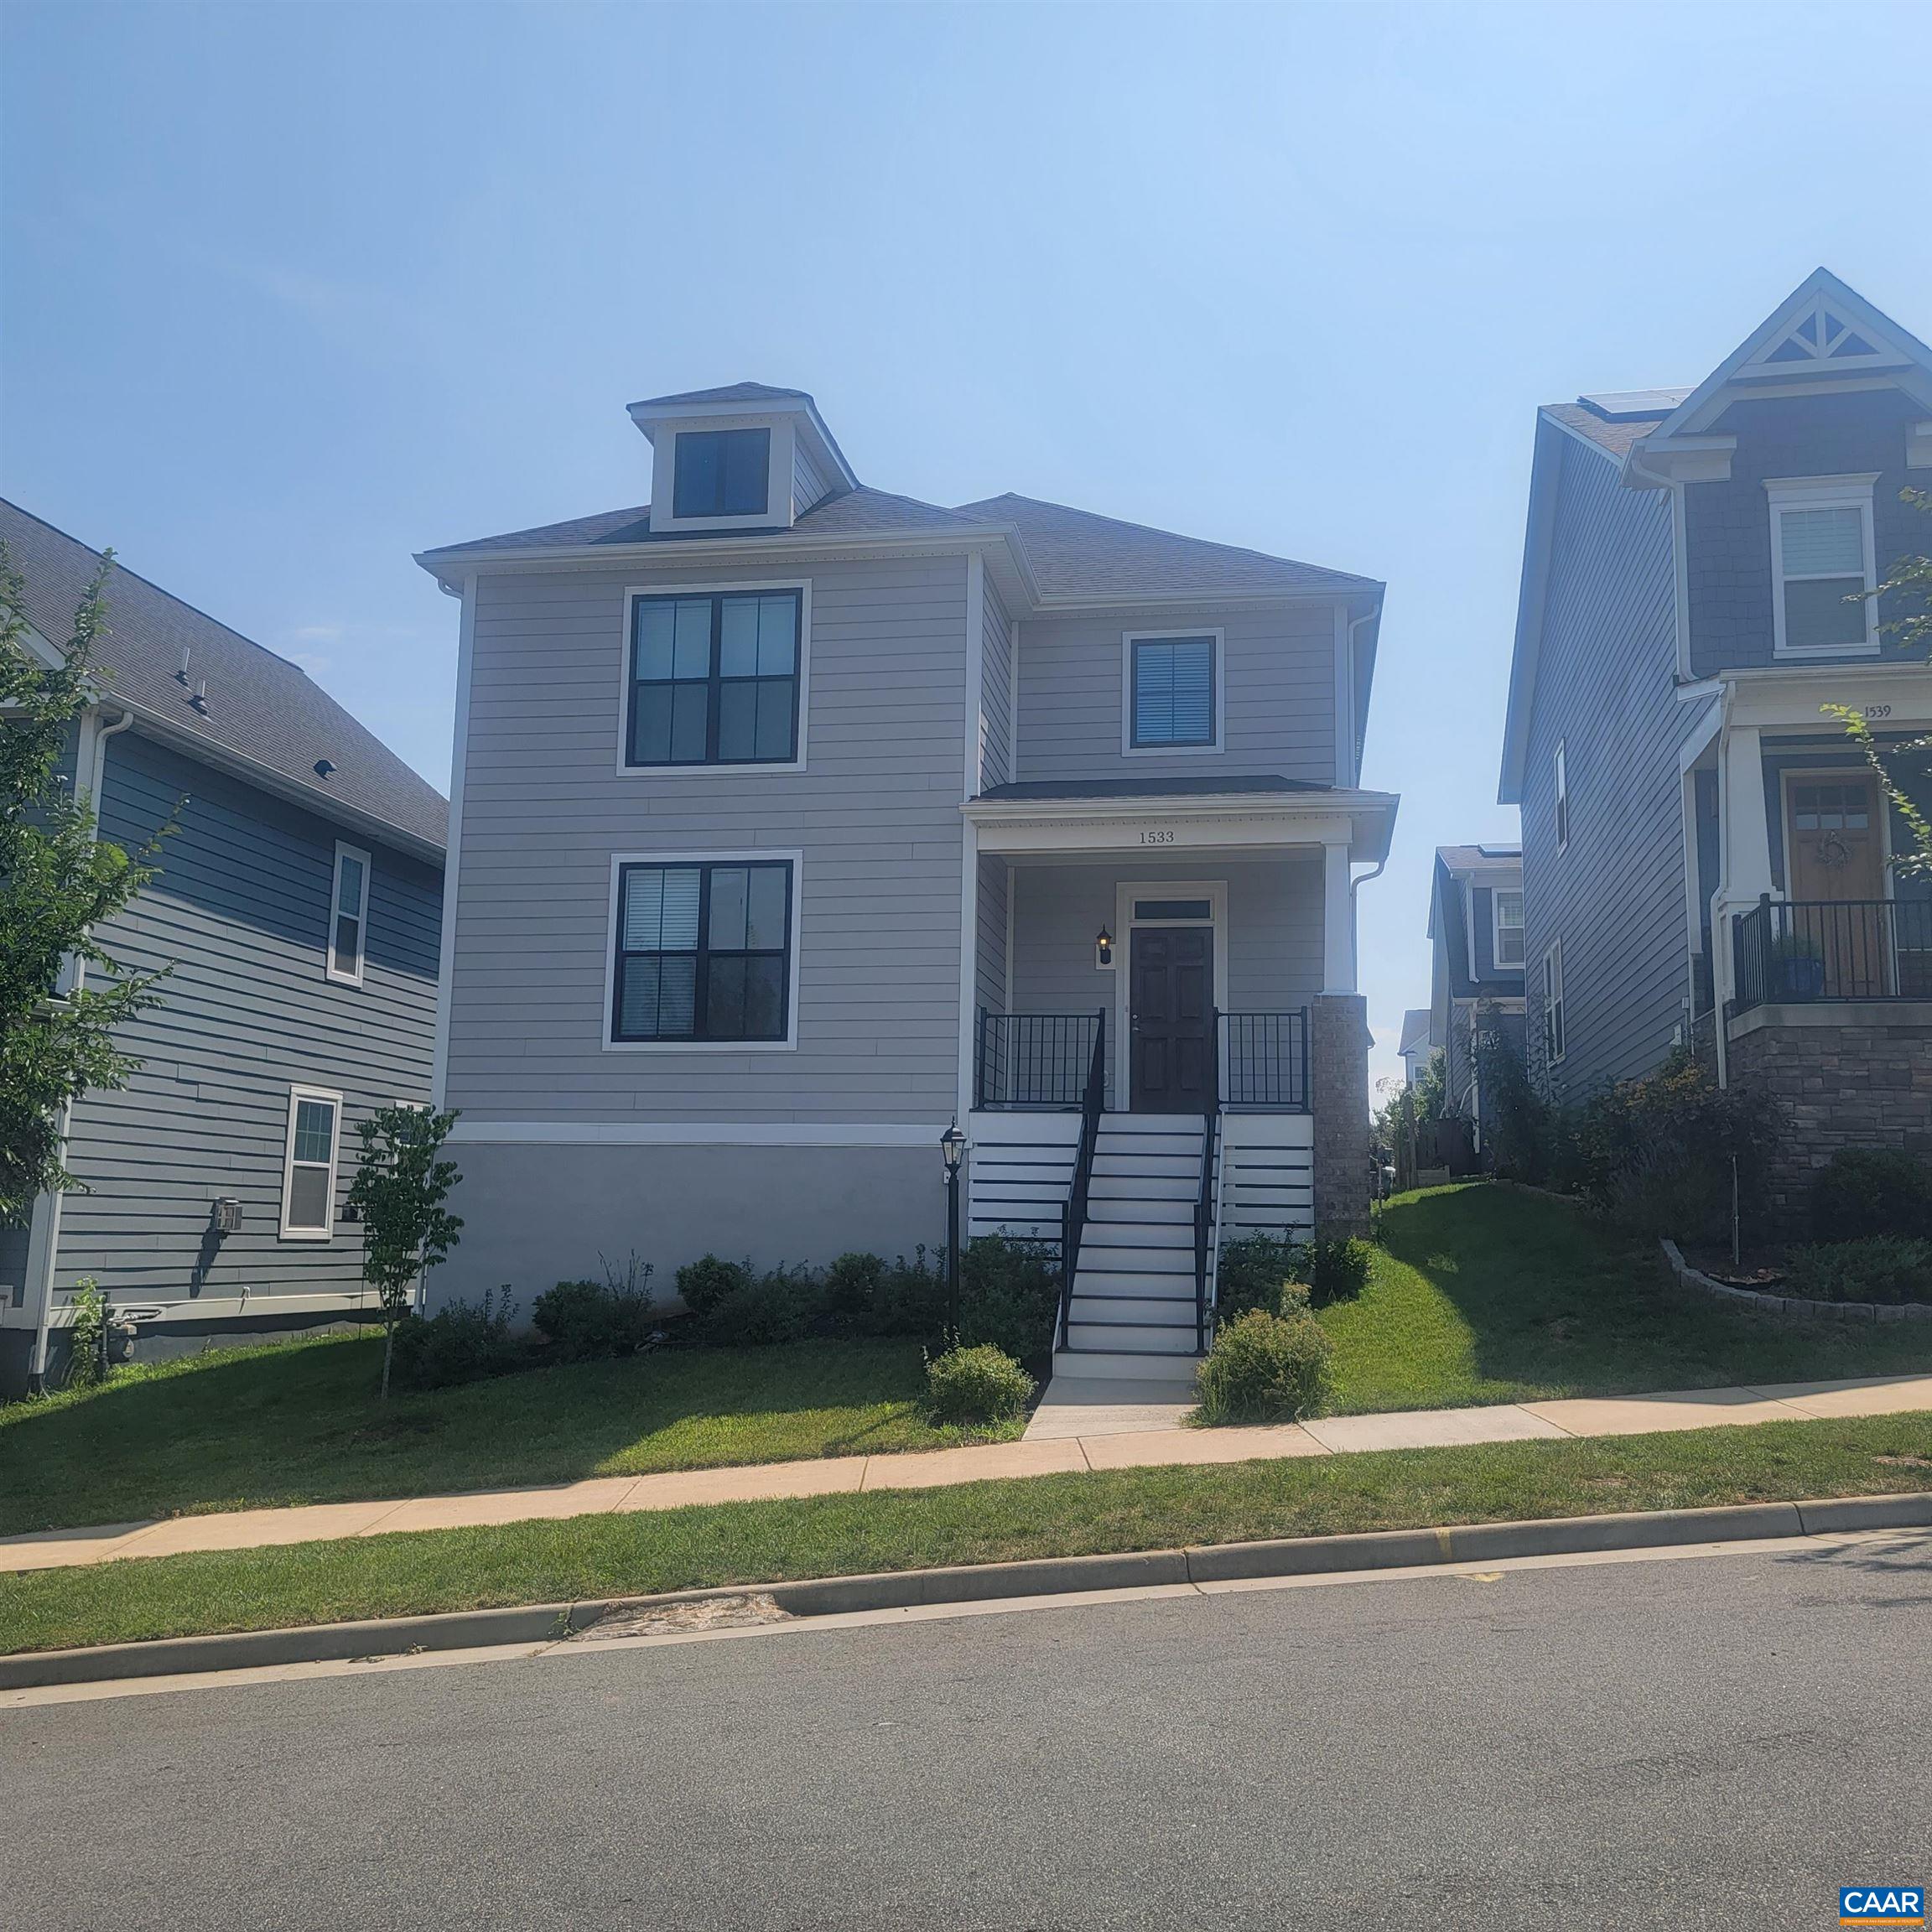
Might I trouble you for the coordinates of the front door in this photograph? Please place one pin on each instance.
(1171, 1019)
(1834, 841)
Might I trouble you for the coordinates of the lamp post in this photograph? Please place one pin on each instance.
(953, 1151)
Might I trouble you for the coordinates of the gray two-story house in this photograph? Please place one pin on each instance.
(795, 821)
(297, 910)
(1706, 857)
(1476, 972)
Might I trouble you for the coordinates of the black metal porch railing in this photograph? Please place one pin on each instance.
(1073, 1209)
(1802, 950)
(1033, 1059)
(1264, 1061)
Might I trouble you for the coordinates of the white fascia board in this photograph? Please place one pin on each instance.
(1538, 537)
(650, 417)
(1654, 466)
(1363, 821)
(1103, 605)
(1785, 697)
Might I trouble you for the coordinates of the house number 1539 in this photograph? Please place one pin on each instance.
(1160, 838)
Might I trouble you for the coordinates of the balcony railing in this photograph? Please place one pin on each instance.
(1264, 1061)
(1801, 951)
(1034, 1059)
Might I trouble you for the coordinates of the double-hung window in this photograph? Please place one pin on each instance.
(1823, 568)
(721, 473)
(1173, 691)
(715, 678)
(1554, 1036)
(308, 1164)
(348, 915)
(703, 952)
(1506, 910)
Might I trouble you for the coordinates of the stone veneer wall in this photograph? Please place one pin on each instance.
(1862, 1084)
(1338, 1097)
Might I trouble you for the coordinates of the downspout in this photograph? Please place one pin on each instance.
(47, 1209)
(1355, 919)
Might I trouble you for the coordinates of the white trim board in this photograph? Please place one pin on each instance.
(698, 1133)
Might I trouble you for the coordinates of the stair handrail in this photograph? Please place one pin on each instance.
(1204, 1219)
(1073, 1209)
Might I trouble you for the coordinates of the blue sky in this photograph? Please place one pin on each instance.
(291, 291)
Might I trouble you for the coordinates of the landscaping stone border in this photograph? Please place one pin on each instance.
(1790, 1307)
(543, 1624)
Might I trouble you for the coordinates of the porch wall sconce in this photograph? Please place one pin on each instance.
(1104, 949)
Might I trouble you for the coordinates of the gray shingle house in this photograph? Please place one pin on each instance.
(794, 820)
(1704, 854)
(299, 908)
(1476, 972)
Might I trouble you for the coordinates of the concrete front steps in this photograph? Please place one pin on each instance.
(1131, 1316)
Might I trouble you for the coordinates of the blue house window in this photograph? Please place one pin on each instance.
(1171, 695)
(703, 952)
(722, 473)
(714, 680)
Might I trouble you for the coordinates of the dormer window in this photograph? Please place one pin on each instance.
(722, 473)
(1823, 569)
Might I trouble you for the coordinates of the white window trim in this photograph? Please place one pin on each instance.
(329, 968)
(1496, 930)
(682, 773)
(296, 1095)
(1562, 813)
(1554, 1054)
(789, 1044)
(1821, 493)
(777, 514)
(1129, 748)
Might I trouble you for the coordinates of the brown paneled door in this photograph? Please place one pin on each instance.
(1835, 839)
(1171, 1019)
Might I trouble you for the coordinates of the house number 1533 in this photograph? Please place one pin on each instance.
(1165, 837)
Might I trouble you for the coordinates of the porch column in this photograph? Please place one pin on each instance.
(1338, 1098)
(1744, 827)
(1338, 923)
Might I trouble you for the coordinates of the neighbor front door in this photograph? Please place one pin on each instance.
(1171, 1019)
(1836, 859)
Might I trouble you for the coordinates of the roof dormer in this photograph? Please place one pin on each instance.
(745, 457)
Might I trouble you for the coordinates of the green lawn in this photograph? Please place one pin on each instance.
(1485, 1293)
(595, 1556)
(245, 1429)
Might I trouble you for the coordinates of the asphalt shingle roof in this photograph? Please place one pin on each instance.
(731, 392)
(261, 707)
(1076, 553)
(1415, 1028)
(1463, 858)
(1614, 429)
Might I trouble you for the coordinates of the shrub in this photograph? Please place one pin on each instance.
(910, 1298)
(1252, 1272)
(1870, 1191)
(1335, 1270)
(774, 1307)
(1877, 1268)
(460, 1342)
(1656, 1153)
(707, 1281)
(1008, 1296)
(1265, 1368)
(852, 1286)
(982, 1384)
(587, 1320)
(87, 1337)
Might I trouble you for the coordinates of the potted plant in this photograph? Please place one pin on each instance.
(1798, 966)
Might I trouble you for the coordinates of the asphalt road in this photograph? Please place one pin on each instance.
(1718, 1742)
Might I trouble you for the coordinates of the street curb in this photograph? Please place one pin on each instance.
(985, 1582)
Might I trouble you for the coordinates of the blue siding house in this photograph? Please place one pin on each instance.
(298, 909)
(1476, 973)
(1705, 859)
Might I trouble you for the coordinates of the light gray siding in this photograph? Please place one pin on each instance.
(995, 694)
(240, 912)
(1605, 690)
(875, 815)
(809, 483)
(1279, 700)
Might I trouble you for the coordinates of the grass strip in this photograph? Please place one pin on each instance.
(595, 1556)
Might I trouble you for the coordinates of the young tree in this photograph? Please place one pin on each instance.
(400, 1185)
(58, 881)
(1909, 585)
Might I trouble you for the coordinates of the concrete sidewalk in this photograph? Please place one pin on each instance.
(1117, 1448)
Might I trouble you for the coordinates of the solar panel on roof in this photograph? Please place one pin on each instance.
(1500, 851)
(1633, 405)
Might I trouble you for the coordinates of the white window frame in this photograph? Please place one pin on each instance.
(678, 774)
(1562, 814)
(296, 1096)
(789, 1044)
(776, 514)
(1497, 929)
(338, 973)
(1788, 493)
(1556, 1037)
(1218, 638)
